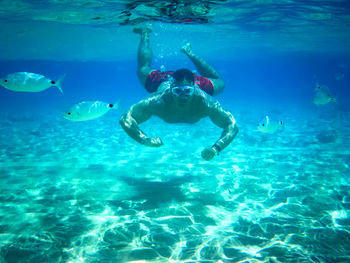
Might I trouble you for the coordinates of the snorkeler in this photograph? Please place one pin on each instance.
(209, 81)
(182, 97)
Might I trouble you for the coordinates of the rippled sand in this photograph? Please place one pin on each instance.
(85, 192)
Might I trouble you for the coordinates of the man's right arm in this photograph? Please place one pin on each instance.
(138, 113)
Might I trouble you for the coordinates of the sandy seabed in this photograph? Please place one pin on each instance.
(85, 192)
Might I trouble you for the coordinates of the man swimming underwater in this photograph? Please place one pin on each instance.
(178, 96)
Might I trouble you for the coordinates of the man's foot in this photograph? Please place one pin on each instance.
(187, 49)
(142, 29)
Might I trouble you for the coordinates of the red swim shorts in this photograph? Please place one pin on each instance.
(155, 78)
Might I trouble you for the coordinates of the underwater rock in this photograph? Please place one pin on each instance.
(143, 254)
(132, 227)
(203, 219)
(105, 254)
(292, 229)
(127, 212)
(326, 220)
(165, 239)
(187, 253)
(210, 253)
(194, 243)
(164, 251)
(12, 253)
(234, 253)
(345, 222)
(177, 224)
(256, 230)
(117, 237)
(194, 230)
(251, 241)
(274, 228)
(299, 239)
(330, 242)
(40, 247)
(274, 251)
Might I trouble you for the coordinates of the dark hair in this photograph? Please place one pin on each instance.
(183, 74)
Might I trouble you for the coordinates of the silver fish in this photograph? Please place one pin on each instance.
(88, 110)
(322, 95)
(339, 76)
(29, 82)
(268, 126)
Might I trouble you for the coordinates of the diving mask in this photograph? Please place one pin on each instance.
(182, 90)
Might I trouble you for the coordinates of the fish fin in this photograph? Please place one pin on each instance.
(116, 105)
(59, 83)
(282, 126)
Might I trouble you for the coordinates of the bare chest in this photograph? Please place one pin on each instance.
(190, 115)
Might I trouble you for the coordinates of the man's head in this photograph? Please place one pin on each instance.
(183, 77)
(183, 84)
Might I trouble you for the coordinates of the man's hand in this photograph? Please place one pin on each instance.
(208, 153)
(152, 142)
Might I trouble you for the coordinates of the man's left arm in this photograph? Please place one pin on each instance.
(225, 120)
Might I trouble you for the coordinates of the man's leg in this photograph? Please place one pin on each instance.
(204, 69)
(144, 55)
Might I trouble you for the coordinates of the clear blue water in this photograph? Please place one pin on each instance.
(86, 192)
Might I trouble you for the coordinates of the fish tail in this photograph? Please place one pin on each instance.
(116, 105)
(59, 83)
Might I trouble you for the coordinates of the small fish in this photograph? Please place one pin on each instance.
(322, 95)
(339, 76)
(88, 110)
(29, 82)
(268, 126)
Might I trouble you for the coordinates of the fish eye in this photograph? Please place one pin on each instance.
(68, 113)
(53, 82)
(5, 80)
(263, 124)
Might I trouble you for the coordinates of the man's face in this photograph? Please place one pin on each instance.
(182, 91)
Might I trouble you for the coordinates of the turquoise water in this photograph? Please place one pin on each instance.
(86, 192)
